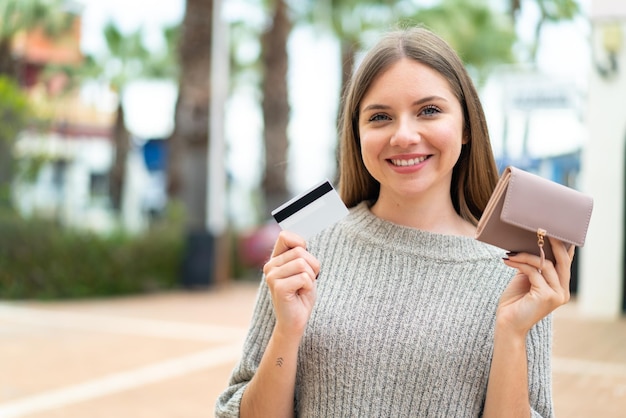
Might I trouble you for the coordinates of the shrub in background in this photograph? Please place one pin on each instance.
(41, 259)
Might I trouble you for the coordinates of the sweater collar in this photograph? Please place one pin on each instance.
(412, 241)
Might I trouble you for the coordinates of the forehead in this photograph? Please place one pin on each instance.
(409, 77)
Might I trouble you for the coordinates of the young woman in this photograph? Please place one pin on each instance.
(396, 311)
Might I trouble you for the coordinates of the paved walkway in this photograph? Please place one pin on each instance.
(169, 355)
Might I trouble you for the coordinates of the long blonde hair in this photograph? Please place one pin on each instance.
(475, 173)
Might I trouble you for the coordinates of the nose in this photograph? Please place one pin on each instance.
(406, 133)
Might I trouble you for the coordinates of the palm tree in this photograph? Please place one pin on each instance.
(188, 146)
(122, 63)
(275, 105)
(126, 59)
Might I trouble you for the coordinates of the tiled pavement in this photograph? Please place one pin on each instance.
(168, 355)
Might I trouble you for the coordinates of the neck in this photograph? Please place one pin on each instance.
(423, 214)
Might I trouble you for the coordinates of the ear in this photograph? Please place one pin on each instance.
(466, 137)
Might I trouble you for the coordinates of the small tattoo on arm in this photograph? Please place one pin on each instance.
(279, 362)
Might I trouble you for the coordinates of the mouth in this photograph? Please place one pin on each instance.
(408, 162)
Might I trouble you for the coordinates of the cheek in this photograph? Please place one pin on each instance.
(370, 144)
(370, 150)
(449, 138)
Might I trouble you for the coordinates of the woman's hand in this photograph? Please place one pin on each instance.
(536, 290)
(290, 275)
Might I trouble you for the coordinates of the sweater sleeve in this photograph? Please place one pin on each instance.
(539, 352)
(261, 327)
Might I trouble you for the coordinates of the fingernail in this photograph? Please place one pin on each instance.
(511, 253)
(505, 258)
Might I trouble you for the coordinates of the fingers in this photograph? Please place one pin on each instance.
(553, 278)
(287, 287)
(546, 283)
(292, 263)
(290, 258)
(287, 240)
(563, 259)
(571, 251)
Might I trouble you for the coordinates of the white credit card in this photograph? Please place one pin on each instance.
(310, 212)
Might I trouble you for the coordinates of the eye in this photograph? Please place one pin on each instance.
(377, 117)
(430, 110)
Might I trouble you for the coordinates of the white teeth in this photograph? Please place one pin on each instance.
(406, 163)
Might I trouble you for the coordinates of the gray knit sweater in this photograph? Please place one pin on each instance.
(402, 327)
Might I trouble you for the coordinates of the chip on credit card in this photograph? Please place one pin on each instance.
(311, 211)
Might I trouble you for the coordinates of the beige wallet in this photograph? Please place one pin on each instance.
(525, 208)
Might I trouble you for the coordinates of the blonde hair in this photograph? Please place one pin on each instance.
(475, 173)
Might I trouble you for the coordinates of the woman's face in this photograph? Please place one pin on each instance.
(411, 132)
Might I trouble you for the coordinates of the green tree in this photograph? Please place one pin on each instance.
(20, 16)
(482, 36)
(550, 11)
(24, 15)
(125, 60)
(123, 63)
(15, 113)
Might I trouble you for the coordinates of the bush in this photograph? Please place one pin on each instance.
(40, 259)
(15, 112)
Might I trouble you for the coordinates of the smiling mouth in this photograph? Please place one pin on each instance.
(409, 162)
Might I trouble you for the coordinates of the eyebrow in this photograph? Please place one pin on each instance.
(423, 100)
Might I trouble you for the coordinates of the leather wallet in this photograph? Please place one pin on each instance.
(525, 208)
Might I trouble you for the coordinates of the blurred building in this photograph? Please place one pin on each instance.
(73, 152)
(603, 279)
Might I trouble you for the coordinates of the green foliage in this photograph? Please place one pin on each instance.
(551, 11)
(15, 109)
(163, 64)
(127, 53)
(40, 259)
(483, 37)
(558, 10)
(15, 112)
(127, 58)
(20, 15)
